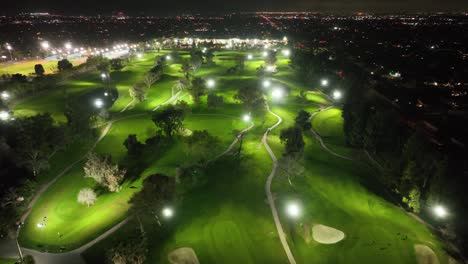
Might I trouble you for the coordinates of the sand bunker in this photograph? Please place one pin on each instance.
(425, 255)
(327, 235)
(183, 255)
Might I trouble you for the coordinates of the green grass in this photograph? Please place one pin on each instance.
(7, 261)
(27, 67)
(227, 220)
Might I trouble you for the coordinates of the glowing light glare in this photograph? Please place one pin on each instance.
(40, 225)
(324, 82)
(168, 57)
(337, 95)
(103, 75)
(8, 47)
(246, 118)
(286, 52)
(293, 210)
(106, 94)
(139, 55)
(68, 46)
(277, 93)
(98, 103)
(270, 68)
(5, 95)
(265, 53)
(45, 45)
(250, 56)
(4, 115)
(167, 212)
(266, 83)
(440, 211)
(210, 83)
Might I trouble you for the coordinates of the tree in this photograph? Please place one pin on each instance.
(413, 200)
(270, 59)
(64, 65)
(303, 120)
(104, 65)
(196, 62)
(201, 147)
(132, 250)
(87, 196)
(158, 191)
(39, 69)
(79, 117)
(150, 78)
(138, 92)
(186, 69)
(181, 84)
(197, 89)
(133, 146)
(292, 138)
(169, 119)
(28, 259)
(104, 172)
(209, 55)
(215, 100)
(290, 166)
(240, 62)
(118, 64)
(251, 97)
(38, 140)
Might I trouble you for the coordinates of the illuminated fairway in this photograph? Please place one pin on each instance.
(27, 67)
(227, 220)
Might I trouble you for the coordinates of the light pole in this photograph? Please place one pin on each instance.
(17, 243)
(9, 48)
(45, 45)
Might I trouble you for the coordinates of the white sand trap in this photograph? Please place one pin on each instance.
(183, 255)
(327, 235)
(186, 132)
(425, 255)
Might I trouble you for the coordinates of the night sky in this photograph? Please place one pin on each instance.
(171, 7)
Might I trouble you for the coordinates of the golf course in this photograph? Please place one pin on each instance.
(346, 214)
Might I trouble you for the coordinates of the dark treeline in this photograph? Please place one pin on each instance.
(418, 170)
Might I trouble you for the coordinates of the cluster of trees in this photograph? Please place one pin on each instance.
(140, 89)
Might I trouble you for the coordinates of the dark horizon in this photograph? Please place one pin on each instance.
(177, 7)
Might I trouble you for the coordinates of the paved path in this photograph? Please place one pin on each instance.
(319, 138)
(271, 201)
(8, 247)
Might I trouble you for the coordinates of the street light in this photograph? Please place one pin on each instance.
(168, 57)
(337, 95)
(293, 210)
(266, 83)
(4, 115)
(440, 211)
(5, 95)
(167, 212)
(45, 45)
(210, 83)
(98, 103)
(9, 48)
(68, 46)
(324, 82)
(277, 93)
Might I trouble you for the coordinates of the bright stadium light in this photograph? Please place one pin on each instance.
(293, 210)
(440, 211)
(4, 115)
(167, 212)
(324, 82)
(337, 95)
(246, 117)
(266, 83)
(210, 83)
(45, 45)
(5, 95)
(68, 46)
(98, 103)
(277, 93)
(250, 56)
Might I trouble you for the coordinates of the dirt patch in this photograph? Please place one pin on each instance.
(327, 235)
(425, 255)
(183, 255)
